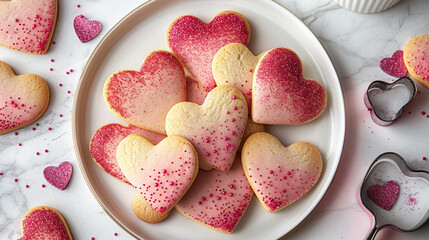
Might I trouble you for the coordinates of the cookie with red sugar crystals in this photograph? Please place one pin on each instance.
(23, 98)
(214, 128)
(143, 98)
(281, 95)
(394, 66)
(28, 25)
(161, 173)
(217, 199)
(384, 196)
(106, 139)
(416, 58)
(60, 176)
(44, 222)
(196, 42)
(280, 175)
(234, 65)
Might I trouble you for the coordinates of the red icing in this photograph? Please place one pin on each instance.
(105, 141)
(281, 95)
(143, 98)
(218, 199)
(196, 42)
(27, 25)
(44, 223)
(384, 196)
(394, 65)
(59, 176)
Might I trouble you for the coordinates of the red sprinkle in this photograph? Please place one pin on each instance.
(26, 186)
(423, 113)
(424, 158)
(16, 133)
(37, 153)
(46, 150)
(43, 185)
(52, 60)
(15, 180)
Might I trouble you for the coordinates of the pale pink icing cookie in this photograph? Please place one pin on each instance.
(162, 173)
(27, 25)
(234, 65)
(416, 58)
(106, 139)
(218, 199)
(281, 95)
(280, 175)
(214, 128)
(194, 91)
(196, 42)
(143, 98)
(23, 99)
(44, 222)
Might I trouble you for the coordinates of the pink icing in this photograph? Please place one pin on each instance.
(165, 175)
(86, 30)
(144, 98)
(218, 199)
(279, 181)
(194, 91)
(384, 196)
(59, 176)
(394, 65)
(210, 132)
(281, 95)
(27, 25)
(105, 141)
(42, 224)
(418, 57)
(196, 42)
(18, 105)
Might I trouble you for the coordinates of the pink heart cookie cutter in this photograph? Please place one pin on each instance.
(385, 100)
(409, 210)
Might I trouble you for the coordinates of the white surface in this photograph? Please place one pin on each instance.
(123, 49)
(355, 42)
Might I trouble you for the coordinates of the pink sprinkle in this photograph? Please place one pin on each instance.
(231, 194)
(171, 183)
(67, 73)
(231, 185)
(199, 202)
(93, 238)
(423, 113)
(271, 171)
(223, 193)
(68, 92)
(287, 173)
(424, 158)
(71, 70)
(156, 184)
(248, 93)
(53, 42)
(49, 128)
(207, 140)
(235, 108)
(228, 145)
(15, 180)
(232, 119)
(46, 150)
(37, 124)
(164, 170)
(115, 233)
(61, 115)
(232, 132)
(60, 84)
(33, 129)
(78, 6)
(16, 133)
(203, 198)
(51, 69)
(37, 153)
(1, 173)
(43, 186)
(52, 60)
(207, 154)
(214, 151)
(15, 105)
(251, 70)
(26, 186)
(218, 198)
(19, 144)
(227, 112)
(234, 97)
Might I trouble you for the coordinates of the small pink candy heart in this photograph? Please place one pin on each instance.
(86, 30)
(394, 66)
(384, 196)
(59, 176)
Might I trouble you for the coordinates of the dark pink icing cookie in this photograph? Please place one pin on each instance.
(59, 176)
(196, 42)
(394, 66)
(384, 196)
(86, 30)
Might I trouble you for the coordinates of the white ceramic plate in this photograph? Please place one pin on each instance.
(144, 30)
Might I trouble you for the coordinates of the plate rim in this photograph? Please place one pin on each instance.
(342, 128)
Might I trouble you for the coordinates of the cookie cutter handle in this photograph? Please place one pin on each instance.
(371, 234)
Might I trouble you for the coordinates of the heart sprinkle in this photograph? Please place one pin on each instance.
(394, 66)
(86, 30)
(384, 196)
(59, 176)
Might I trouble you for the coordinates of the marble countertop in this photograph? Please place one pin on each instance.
(355, 42)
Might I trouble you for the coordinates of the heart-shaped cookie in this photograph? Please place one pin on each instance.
(194, 91)
(23, 98)
(281, 95)
(384, 196)
(106, 139)
(59, 176)
(234, 65)
(162, 173)
(27, 25)
(218, 199)
(143, 98)
(214, 128)
(394, 66)
(196, 42)
(416, 58)
(43, 222)
(279, 175)
(86, 30)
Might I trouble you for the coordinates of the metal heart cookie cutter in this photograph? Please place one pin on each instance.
(386, 100)
(393, 195)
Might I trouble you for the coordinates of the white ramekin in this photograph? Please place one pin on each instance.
(367, 6)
